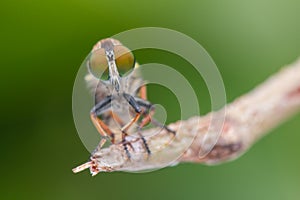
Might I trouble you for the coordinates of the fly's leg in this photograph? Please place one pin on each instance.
(129, 124)
(143, 92)
(150, 110)
(132, 102)
(117, 118)
(148, 118)
(143, 95)
(137, 104)
(157, 123)
(100, 145)
(125, 128)
(125, 147)
(148, 113)
(101, 127)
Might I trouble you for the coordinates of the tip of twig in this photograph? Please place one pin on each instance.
(82, 167)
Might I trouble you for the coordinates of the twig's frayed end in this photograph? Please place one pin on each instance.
(91, 164)
(94, 166)
(83, 167)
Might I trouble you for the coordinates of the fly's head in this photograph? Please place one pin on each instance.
(109, 61)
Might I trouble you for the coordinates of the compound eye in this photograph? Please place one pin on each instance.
(124, 59)
(98, 65)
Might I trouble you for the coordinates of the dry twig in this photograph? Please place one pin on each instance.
(247, 119)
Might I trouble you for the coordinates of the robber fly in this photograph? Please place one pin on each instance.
(121, 105)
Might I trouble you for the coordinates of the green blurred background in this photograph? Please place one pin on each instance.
(42, 46)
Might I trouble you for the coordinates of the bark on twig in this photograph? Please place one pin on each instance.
(251, 116)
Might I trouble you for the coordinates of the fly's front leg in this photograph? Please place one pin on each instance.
(132, 102)
(97, 110)
(137, 107)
